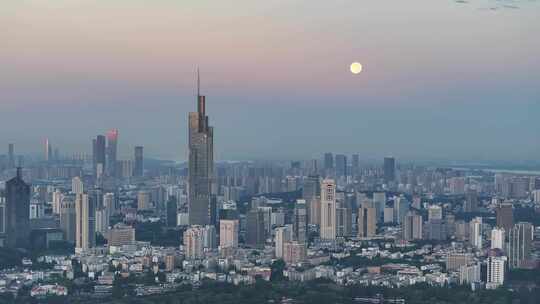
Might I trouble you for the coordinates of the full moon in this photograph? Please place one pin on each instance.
(356, 68)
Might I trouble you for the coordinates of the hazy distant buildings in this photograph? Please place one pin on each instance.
(201, 166)
(328, 210)
(17, 211)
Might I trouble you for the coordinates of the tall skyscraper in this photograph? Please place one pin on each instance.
(139, 168)
(77, 185)
(99, 155)
(328, 161)
(475, 232)
(300, 221)
(311, 192)
(401, 207)
(201, 165)
(367, 221)
(355, 164)
(412, 226)
(328, 210)
(505, 216)
(112, 152)
(11, 156)
(495, 271)
(389, 169)
(85, 211)
(172, 211)
(68, 219)
(283, 235)
(520, 239)
(341, 165)
(497, 238)
(48, 151)
(256, 235)
(17, 211)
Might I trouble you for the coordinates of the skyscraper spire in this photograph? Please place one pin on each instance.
(198, 83)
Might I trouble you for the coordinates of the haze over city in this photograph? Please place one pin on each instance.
(441, 79)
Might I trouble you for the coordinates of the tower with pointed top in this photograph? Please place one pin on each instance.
(17, 212)
(201, 164)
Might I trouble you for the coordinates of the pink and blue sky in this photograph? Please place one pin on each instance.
(441, 79)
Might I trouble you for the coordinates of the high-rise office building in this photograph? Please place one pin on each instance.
(194, 242)
(282, 235)
(505, 216)
(475, 232)
(495, 271)
(48, 151)
(389, 169)
(17, 211)
(56, 201)
(294, 252)
(379, 200)
(435, 213)
(401, 207)
(11, 156)
(209, 237)
(85, 228)
(77, 185)
(300, 221)
(412, 226)
(311, 192)
(228, 233)
(328, 210)
(99, 155)
(355, 164)
(497, 238)
(138, 168)
(256, 232)
(520, 239)
(201, 165)
(328, 161)
(172, 210)
(68, 218)
(471, 201)
(144, 200)
(367, 221)
(112, 152)
(341, 165)
(121, 234)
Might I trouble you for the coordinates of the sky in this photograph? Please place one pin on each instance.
(441, 79)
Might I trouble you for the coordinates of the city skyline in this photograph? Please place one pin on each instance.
(460, 88)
